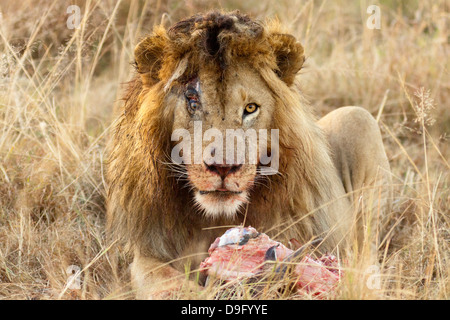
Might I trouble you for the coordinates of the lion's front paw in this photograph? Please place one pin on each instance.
(175, 291)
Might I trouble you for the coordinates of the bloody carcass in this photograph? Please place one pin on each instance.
(242, 253)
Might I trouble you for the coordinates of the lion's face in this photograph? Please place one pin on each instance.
(215, 109)
(225, 72)
(210, 75)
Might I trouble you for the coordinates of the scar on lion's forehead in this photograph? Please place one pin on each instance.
(194, 82)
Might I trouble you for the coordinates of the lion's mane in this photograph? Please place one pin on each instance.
(150, 209)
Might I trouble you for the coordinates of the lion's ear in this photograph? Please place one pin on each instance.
(148, 55)
(289, 54)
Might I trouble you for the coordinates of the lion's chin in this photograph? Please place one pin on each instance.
(219, 204)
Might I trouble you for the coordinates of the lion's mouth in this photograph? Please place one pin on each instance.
(221, 202)
(220, 192)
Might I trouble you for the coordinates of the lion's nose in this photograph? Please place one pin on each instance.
(223, 170)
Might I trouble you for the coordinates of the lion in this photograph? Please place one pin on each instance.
(227, 71)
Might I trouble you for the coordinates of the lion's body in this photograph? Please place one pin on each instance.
(154, 212)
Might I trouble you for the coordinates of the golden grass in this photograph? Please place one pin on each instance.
(59, 88)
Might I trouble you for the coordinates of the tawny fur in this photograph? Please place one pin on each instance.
(152, 211)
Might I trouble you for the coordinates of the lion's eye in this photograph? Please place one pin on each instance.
(250, 108)
(193, 105)
(192, 100)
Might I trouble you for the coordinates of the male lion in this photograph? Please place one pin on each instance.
(230, 72)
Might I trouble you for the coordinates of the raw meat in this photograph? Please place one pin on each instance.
(243, 252)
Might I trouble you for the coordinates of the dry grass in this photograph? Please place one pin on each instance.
(58, 89)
